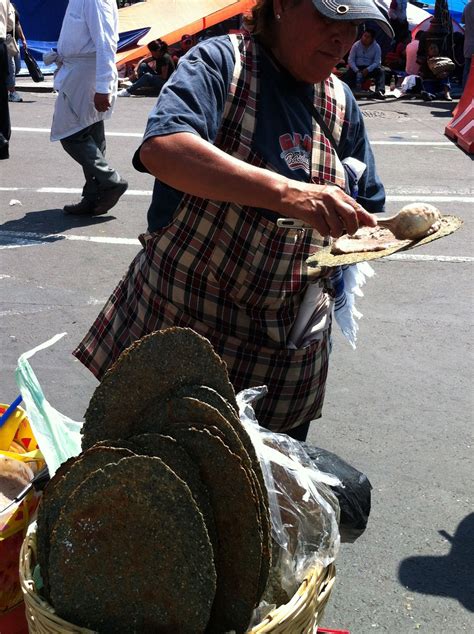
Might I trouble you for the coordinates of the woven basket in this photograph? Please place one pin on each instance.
(301, 614)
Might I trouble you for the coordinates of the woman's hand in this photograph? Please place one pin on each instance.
(326, 208)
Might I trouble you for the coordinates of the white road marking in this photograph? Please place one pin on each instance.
(70, 190)
(438, 197)
(395, 198)
(135, 135)
(411, 257)
(450, 143)
(26, 238)
(139, 135)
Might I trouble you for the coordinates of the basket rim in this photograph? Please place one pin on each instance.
(304, 609)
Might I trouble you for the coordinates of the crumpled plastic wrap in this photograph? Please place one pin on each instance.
(58, 436)
(304, 512)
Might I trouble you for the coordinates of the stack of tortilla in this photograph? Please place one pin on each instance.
(162, 523)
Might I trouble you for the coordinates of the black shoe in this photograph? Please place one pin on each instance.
(427, 96)
(83, 208)
(378, 95)
(110, 197)
(4, 154)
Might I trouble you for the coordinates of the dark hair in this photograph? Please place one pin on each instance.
(261, 20)
(370, 32)
(158, 45)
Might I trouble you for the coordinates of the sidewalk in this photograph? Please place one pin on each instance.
(24, 83)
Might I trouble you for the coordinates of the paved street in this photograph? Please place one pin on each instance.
(400, 407)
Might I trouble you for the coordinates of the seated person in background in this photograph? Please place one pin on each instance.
(412, 65)
(365, 57)
(152, 71)
(433, 85)
(185, 44)
(396, 59)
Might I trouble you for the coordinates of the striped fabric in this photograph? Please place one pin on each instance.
(232, 275)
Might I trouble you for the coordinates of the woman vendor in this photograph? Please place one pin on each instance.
(234, 144)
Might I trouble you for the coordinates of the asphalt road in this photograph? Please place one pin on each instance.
(400, 407)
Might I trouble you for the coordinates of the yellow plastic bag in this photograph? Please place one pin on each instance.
(15, 521)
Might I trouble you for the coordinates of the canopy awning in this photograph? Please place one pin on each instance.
(170, 19)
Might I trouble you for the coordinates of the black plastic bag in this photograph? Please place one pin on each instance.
(354, 495)
(32, 66)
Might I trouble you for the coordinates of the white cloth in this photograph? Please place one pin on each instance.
(408, 82)
(91, 26)
(86, 65)
(353, 278)
(6, 24)
(74, 109)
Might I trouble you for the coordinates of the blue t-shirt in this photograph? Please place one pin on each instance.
(194, 98)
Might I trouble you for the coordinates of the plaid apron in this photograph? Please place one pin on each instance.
(232, 275)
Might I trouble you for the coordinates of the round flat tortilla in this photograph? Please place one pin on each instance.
(176, 458)
(147, 372)
(186, 411)
(131, 553)
(206, 396)
(236, 516)
(55, 496)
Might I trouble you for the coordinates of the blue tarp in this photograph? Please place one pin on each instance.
(41, 19)
(456, 7)
(38, 47)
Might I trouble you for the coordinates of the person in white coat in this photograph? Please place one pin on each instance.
(86, 81)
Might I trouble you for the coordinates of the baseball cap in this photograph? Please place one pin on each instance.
(355, 10)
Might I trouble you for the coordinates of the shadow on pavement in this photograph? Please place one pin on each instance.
(445, 576)
(45, 224)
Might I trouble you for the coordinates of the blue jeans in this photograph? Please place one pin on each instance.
(14, 65)
(147, 80)
(436, 86)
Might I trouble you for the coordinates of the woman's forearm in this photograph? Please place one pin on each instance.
(187, 163)
(194, 166)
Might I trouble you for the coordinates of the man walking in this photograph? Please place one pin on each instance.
(365, 59)
(86, 82)
(5, 129)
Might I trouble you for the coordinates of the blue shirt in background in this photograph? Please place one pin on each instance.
(369, 57)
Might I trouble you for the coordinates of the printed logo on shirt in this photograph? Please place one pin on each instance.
(296, 151)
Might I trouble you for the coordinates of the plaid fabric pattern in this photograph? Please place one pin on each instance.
(231, 275)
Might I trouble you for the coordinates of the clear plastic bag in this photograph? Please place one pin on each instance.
(304, 512)
(58, 436)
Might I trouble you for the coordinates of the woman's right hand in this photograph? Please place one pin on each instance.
(326, 208)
